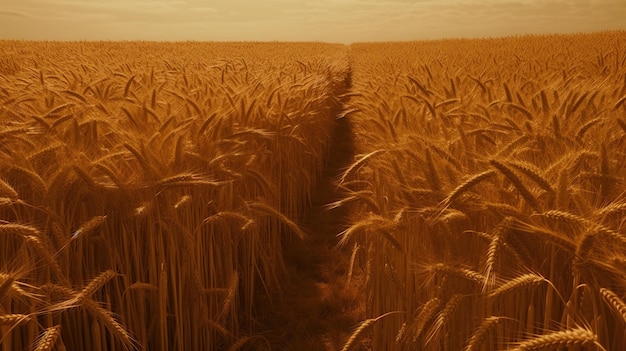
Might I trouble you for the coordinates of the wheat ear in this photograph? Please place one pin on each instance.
(431, 172)
(470, 182)
(19, 229)
(259, 206)
(526, 194)
(479, 335)
(14, 319)
(582, 130)
(357, 163)
(7, 191)
(424, 317)
(114, 327)
(444, 316)
(49, 339)
(361, 330)
(614, 302)
(88, 227)
(529, 279)
(534, 174)
(230, 297)
(95, 285)
(493, 251)
(352, 261)
(568, 338)
(459, 272)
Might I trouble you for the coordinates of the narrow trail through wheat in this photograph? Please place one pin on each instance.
(317, 310)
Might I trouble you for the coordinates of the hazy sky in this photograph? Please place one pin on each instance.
(341, 21)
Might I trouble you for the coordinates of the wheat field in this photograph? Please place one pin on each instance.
(488, 193)
(147, 189)
(151, 192)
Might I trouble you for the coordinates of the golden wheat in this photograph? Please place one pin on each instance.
(178, 180)
(555, 209)
(157, 165)
(48, 339)
(567, 338)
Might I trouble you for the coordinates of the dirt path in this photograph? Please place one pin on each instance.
(316, 310)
